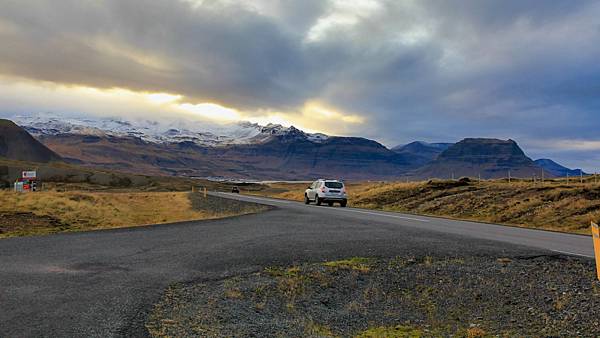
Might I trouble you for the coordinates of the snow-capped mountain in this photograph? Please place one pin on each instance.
(154, 131)
(201, 149)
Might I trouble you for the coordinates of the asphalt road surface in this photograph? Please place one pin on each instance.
(103, 283)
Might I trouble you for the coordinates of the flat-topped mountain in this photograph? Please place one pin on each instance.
(490, 158)
(17, 144)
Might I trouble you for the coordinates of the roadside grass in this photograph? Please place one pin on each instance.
(398, 331)
(360, 264)
(85, 210)
(553, 205)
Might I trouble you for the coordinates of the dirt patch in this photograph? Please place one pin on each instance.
(22, 223)
(392, 297)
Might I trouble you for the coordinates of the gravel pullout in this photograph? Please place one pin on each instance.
(547, 295)
(224, 206)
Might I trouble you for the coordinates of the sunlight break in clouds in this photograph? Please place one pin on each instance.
(73, 100)
(319, 111)
(212, 111)
(163, 98)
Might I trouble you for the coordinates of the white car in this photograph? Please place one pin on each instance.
(326, 191)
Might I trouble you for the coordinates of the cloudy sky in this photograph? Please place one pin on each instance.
(395, 71)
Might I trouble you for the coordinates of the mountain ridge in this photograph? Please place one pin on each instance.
(201, 133)
(251, 151)
(281, 156)
(556, 169)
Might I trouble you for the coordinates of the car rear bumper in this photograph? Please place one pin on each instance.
(332, 198)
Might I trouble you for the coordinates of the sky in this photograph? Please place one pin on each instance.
(394, 71)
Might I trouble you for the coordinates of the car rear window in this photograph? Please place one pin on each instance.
(334, 185)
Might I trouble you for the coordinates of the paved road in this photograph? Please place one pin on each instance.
(103, 283)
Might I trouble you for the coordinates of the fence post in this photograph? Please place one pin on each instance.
(542, 175)
(596, 239)
(204, 192)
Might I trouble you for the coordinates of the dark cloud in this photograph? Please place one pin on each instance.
(434, 70)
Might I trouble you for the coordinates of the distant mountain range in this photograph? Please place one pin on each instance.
(242, 150)
(251, 151)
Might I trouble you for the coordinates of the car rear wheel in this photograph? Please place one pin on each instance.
(343, 203)
(317, 200)
(306, 200)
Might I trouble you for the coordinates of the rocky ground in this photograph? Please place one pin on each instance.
(470, 296)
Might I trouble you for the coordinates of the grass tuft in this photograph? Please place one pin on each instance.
(398, 331)
(360, 264)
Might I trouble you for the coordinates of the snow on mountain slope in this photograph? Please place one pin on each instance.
(175, 131)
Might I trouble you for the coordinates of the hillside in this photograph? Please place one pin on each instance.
(556, 169)
(490, 158)
(17, 144)
(423, 152)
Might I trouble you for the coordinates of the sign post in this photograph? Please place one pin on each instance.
(28, 181)
(596, 239)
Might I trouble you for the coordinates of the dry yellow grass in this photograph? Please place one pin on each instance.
(554, 205)
(96, 210)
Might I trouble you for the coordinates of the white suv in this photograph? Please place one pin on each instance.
(326, 191)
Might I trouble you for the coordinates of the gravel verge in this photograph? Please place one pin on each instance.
(224, 206)
(476, 296)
